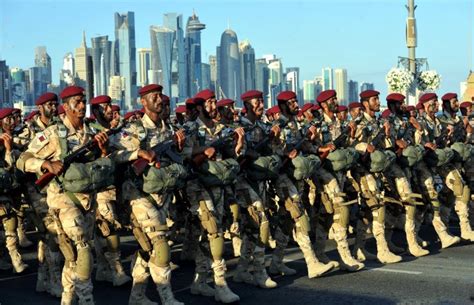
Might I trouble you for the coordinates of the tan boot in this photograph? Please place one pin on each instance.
(383, 252)
(42, 279)
(261, 278)
(18, 265)
(222, 291)
(68, 298)
(118, 274)
(348, 262)
(413, 246)
(320, 248)
(23, 241)
(242, 273)
(236, 245)
(140, 277)
(201, 287)
(277, 267)
(466, 230)
(315, 267)
(53, 259)
(166, 295)
(359, 251)
(446, 239)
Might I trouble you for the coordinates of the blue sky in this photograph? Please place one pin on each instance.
(365, 37)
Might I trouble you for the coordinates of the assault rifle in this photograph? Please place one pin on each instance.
(75, 156)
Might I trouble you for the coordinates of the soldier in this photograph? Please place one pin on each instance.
(180, 112)
(411, 110)
(109, 267)
(342, 113)
(73, 206)
(420, 108)
(355, 110)
(294, 144)
(226, 111)
(332, 179)
(251, 192)
(150, 201)
(206, 195)
(9, 187)
(427, 129)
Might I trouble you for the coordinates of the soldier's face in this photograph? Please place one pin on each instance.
(342, 115)
(374, 104)
(106, 112)
(49, 109)
(332, 104)
(355, 112)
(454, 104)
(210, 107)
(293, 107)
(431, 107)
(8, 123)
(153, 102)
(165, 114)
(76, 107)
(227, 112)
(255, 105)
(191, 113)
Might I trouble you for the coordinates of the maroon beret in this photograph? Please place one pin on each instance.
(116, 108)
(368, 93)
(149, 88)
(410, 108)
(275, 109)
(341, 108)
(465, 104)
(225, 102)
(101, 99)
(449, 96)
(140, 112)
(419, 105)
(46, 97)
(4, 112)
(243, 110)
(251, 94)
(286, 96)
(269, 111)
(325, 95)
(316, 107)
(31, 115)
(180, 109)
(427, 97)
(16, 110)
(386, 113)
(300, 113)
(190, 101)
(61, 109)
(128, 115)
(306, 107)
(397, 97)
(205, 94)
(354, 105)
(71, 91)
(165, 98)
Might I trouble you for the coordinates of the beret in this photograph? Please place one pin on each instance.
(16, 110)
(449, 96)
(368, 93)
(355, 105)
(115, 108)
(71, 91)
(46, 97)
(275, 109)
(251, 94)
(427, 96)
(31, 115)
(465, 104)
(341, 108)
(410, 108)
(205, 94)
(386, 113)
(180, 109)
(4, 112)
(243, 110)
(419, 105)
(149, 88)
(128, 115)
(325, 95)
(397, 97)
(306, 107)
(101, 99)
(286, 95)
(316, 107)
(190, 101)
(225, 102)
(165, 98)
(61, 109)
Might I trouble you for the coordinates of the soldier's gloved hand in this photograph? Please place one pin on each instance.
(370, 148)
(240, 133)
(235, 228)
(210, 152)
(401, 143)
(275, 131)
(293, 154)
(54, 167)
(148, 155)
(327, 148)
(7, 142)
(102, 139)
(312, 133)
(431, 146)
(180, 138)
(415, 123)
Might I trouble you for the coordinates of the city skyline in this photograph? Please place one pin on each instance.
(352, 61)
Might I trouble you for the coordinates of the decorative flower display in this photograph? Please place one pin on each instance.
(399, 80)
(428, 80)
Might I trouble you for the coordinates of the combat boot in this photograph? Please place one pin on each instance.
(260, 276)
(140, 281)
(236, 245)
(446, 239)
(243, 275)
(413, 246)
(383, 252)
(166, 295)
(68, 298)
(53, 259)
(222, 291)
(359, 250)
(118, 275)
(466, 230)
(200, 286)
(348, 262)
(320, 248)
(23, 241)
(277, 267)
(18, 265)
(315, 268)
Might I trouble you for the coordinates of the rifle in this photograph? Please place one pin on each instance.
(16, 131)
(47, 177)
(375, 142)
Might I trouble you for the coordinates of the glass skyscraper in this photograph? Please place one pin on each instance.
(100, 52)
(193, 52)
(228, 63)
(161, 56)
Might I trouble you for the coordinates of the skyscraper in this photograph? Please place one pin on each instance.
(43, 61)
(81, 66)
(353, 91)
(101, 52)
(115, 90)
(206, 75)
(247, 66)
(328, 82)
(178, 71)
(125, 57)
(293, 82)
(161, 56)
(213, 72)
(318, 85)
(37, 85)
(366, 86)
(276, 82)
(262, 77)
(228, 61)
(18, 85)
(144, 64)
(193, 52)
(340, 77)
(308, 91)
(66, 77)
(5, 92)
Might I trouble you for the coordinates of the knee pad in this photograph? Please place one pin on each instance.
(293, 208)
(67, 248)
(302, 224)
(253, 217)
(161, 251)
(208, 220)
(216, 244)
(10, 224)
(113, 243)
(84, 261)
(235, 211)
(264, 232)
(466, 194)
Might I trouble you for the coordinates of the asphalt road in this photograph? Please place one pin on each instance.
(443, 277)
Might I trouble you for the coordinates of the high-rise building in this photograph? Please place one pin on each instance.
(293, 82)
(261, 78)
(124, 56)
(18, 85)
(66, 77)
(276, 82)
(206, 75)
(115, 90)
(340, 82)
(308, 91)
(178, 75)
(327, 75)
(213, 72)
(43, 61)
(101, 52)
(318, 85)
(247, 66)
(193, 52)
(37, 84)
(5, 91)
(366, 86)
(161, 56)
(144, 64)
(81, 66)
(353, 91)
(228, 61)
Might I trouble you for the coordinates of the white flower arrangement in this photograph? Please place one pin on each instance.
(399, 80)
(428, 80)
